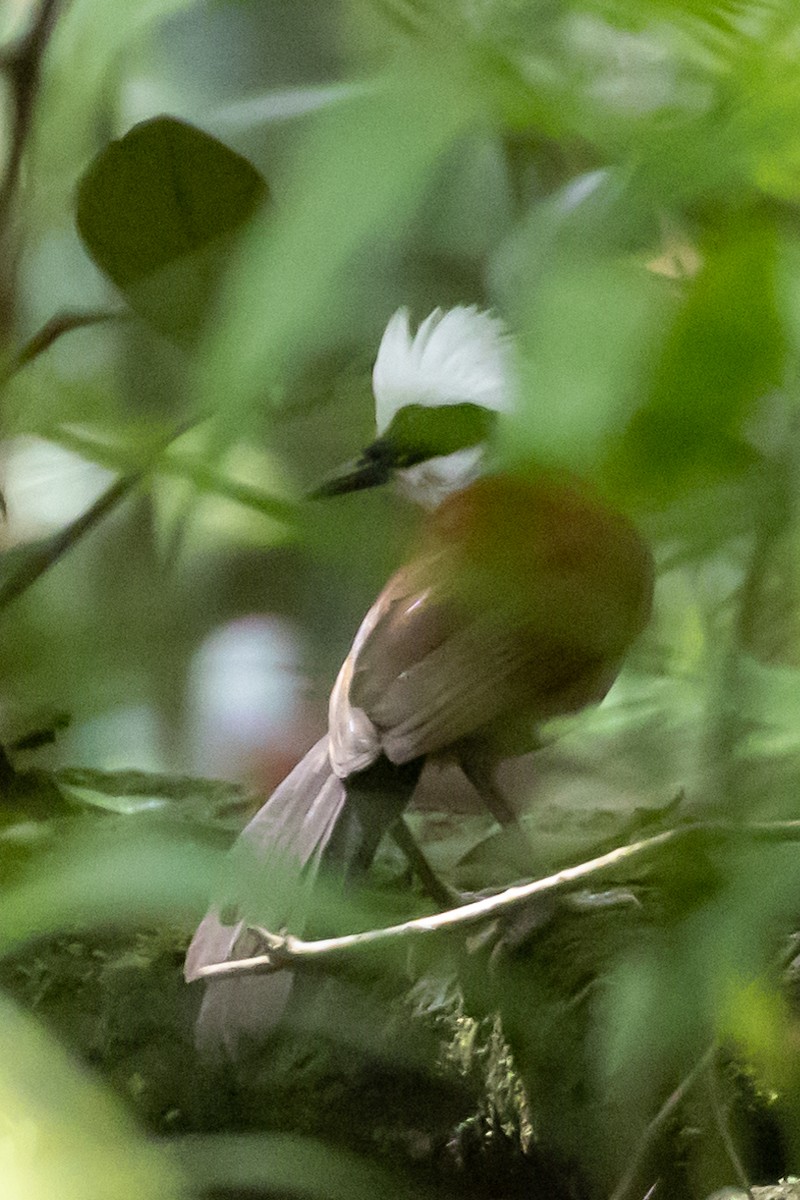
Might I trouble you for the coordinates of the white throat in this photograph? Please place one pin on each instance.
(431, 482)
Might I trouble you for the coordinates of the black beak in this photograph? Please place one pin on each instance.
(373, 469)
(417, 433)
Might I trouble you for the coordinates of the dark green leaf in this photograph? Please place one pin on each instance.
(157, 211)
(725, 351)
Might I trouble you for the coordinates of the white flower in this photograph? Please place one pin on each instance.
(456, 357)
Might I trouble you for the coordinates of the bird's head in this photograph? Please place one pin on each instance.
(437, 395)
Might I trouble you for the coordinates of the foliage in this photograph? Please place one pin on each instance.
(209, 211)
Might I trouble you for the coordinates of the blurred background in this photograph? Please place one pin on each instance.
(620, 181)
(189, 634)
(568, 168)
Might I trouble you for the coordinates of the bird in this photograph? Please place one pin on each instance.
(521, 599)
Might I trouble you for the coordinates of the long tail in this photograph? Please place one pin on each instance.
(282, 845)
(312, 817)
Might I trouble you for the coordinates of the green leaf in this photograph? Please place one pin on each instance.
(286, 1164)
(157, 211)
(62, 1134)
(725, 351)
(112, 871)
(726, 348)
(357, 179)
(585, 339)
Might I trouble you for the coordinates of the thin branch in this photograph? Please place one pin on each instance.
(625, 1186)
(194, 469)
(38, 559)
(775, 505)
(22, 64)
(725, 1132)
(284, 951)
(51, 331)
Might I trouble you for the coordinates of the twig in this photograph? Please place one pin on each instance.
(725, 1133)
(39, 559)
(286, 950)
(725, 724)
(51, 331)
(775, 507)
(22, 64)
(625, 1186)
(197, 471)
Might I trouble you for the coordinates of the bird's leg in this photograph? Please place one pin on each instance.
(478, 764)
(376, 794)
(376, 799)
(438, 891)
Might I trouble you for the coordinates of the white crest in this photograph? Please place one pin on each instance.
(455, 357)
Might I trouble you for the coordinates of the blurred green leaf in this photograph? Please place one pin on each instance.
(21, 566)
(63, 1135)
(586, 344)
(759, 1019)
(157, 211)
(356, 180)
(726, 348)
(285, 1165)
(724, 352)
(122, 871)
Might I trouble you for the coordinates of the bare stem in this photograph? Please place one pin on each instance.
(195, 469)
(624, 1188)
(725, 1132)
(288, 951)
(39, 558)
(22, 63)
(51, 331)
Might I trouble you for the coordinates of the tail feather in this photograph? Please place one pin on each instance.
(283, 843)
(313, 818)
(300, 813)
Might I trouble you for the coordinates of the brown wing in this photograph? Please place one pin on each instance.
(401, 625)
(481, 672)
(423, 674)
(448, 648)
